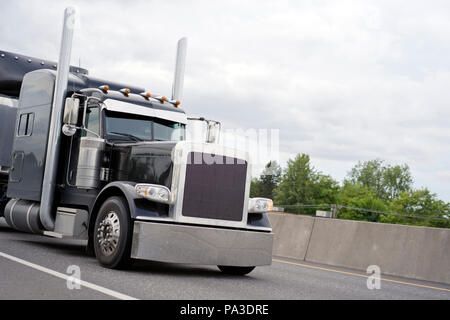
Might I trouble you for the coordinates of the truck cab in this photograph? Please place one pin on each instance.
(128, 181)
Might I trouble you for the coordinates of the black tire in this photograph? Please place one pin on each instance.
(119, 256)
(237, 271)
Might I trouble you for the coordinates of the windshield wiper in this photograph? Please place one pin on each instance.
(128, 135)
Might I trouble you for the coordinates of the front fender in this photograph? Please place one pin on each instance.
(138, 206)
(117, 188)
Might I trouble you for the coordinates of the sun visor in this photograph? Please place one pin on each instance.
(120, 106)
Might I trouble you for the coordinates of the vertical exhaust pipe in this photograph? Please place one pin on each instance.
(53, 145)
(177, 89)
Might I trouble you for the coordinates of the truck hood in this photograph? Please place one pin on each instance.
(143, 162)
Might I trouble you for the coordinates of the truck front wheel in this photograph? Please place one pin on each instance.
(113, 234)
(240, 271)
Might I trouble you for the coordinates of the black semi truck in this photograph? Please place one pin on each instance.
(92, 159)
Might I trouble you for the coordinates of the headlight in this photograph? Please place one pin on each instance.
(154, 192)
(259, 205)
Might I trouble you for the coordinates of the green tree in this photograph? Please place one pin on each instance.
(301, 184)
(387, 181)
(255, 188)
(358, 196)
(265, 185)
(325, 189)
(295, 186)
(430, 211)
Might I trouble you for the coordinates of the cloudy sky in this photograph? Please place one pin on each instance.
(342, 80)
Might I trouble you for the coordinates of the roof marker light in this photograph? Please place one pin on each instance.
(125, 91)
(146, 95)
(104, 88)
(175, 103)
(161, 99)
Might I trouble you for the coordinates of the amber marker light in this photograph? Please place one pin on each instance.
(104, 88)
(126, 92)
(146, 95)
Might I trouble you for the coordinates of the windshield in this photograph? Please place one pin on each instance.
(164, 130)
(129, 127)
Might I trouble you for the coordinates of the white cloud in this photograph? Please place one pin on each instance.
(342, 80)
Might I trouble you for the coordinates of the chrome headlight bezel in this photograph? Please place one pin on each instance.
(154, 192)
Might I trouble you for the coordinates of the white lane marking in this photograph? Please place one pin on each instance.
(86, 284)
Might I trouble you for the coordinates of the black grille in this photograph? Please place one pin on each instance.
(214, 191)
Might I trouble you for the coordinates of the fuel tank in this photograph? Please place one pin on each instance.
(89, 163)
(23, 215)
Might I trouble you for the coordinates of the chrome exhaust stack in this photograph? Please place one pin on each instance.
(180, 63)
(54, 137)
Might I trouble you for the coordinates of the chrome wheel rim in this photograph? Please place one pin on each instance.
(108, 233)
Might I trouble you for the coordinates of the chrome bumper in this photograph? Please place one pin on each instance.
(200, 245)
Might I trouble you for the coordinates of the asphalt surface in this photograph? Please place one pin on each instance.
(34, 267)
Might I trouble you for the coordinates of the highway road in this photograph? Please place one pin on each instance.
(35, 267)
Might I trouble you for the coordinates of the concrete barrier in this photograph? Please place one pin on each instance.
(414, 252)
(292, 234)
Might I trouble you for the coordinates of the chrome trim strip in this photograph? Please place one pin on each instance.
(154, 218)
(157, 219)
(28, 217)
(258, 228)
(11, 215)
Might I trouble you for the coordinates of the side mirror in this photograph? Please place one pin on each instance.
(71, 111)
(213, 132)
(203, 130)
